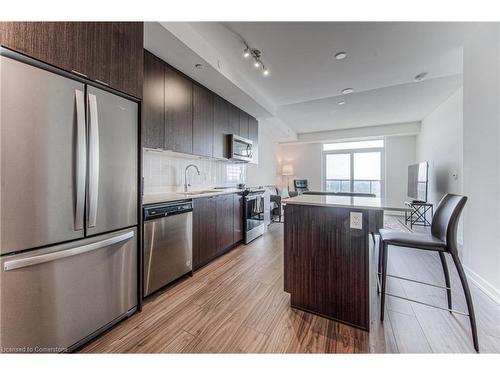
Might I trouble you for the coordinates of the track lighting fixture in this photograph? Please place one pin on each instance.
(256, 56)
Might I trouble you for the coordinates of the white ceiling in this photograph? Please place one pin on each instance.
(304, 86)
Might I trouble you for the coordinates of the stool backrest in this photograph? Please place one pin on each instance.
(445, 220)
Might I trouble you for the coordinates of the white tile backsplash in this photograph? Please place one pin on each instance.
(163, 172)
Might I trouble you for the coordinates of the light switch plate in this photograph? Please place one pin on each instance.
(356, 220)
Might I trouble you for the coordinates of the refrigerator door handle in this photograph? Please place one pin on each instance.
(81, 159)
(38, 259)
(93, 160)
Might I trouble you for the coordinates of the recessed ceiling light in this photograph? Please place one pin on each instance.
(347, 90)
(341, 102)
(340, 55)
(246, 53)
(198, 66)
(256, 64)
(265, 72)
(419, 77)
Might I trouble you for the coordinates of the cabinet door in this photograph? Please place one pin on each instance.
(253, 135)
(234, 119)
(178, 112)
(153, 105)
(66, 45)
(203, 121)
(100, 52)
(126, 66)
(221, 125)
(237, 218)
(108, 52)
(225, 226)
(204, 230)
(243, 124)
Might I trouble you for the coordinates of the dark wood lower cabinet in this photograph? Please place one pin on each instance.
(204, 230)
(225, 223)
(326, 263)
(214, 220)
(238, 217)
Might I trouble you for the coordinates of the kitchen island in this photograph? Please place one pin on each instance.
(326, 254)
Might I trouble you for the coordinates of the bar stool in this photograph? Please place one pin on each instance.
(442, 239)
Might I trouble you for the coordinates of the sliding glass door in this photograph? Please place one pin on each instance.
(359, 171)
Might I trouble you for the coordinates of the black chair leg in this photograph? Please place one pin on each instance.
(385, 254)
(468, 298)
(446, 277)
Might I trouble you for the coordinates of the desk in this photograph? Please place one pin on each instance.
(326, 260)
(418, 213)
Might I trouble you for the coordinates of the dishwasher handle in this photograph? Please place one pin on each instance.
(159, 211)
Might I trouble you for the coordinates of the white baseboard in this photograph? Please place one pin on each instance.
(482, 284)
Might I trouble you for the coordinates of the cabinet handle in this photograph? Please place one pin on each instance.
(80, 74)
(102, 82)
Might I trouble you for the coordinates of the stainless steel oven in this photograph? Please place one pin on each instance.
(254, 225)
(240, 148)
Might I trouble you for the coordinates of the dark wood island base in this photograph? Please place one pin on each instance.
(326, 262)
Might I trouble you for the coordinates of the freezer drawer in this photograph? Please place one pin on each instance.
(52, 298)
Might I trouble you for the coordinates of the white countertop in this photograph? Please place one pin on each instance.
(346, 202)
(178, 196)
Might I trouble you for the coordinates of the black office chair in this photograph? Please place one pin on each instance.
(442, 239)
(300, 186)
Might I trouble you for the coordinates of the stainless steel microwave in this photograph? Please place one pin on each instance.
(240, 148)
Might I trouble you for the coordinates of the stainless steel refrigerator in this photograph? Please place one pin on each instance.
(68, 207)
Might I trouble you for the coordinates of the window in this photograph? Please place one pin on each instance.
(354, 167)
(379, 143)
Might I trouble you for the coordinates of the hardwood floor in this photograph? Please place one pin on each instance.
(236, 304)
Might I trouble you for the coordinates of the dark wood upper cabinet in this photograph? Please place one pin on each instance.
(65, 45)
(221, 127)
(225, 222)
(203, 121)
(100, 50)
(178, 112)
(253, 135)
(108, 52)
(243, 124)
(234, 119)
(127, 61)
(153, 105)
(204, 230)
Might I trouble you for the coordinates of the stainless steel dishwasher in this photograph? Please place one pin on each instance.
(168, 243)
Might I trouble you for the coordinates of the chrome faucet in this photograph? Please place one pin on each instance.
(185, 176)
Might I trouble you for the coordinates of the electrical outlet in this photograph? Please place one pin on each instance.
(356, 220)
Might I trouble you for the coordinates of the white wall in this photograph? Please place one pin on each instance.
(267, 171)
(306, 160)
(399, 153)
(481, 159)
(440, 142)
